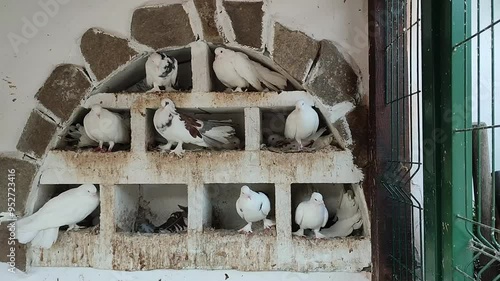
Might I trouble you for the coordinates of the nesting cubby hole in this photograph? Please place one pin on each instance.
(274, 119)
(217, 85)
(222, 201)
(154, 139)
(332, 196)
(132, 78)
(49, 191)
(141, 203)
(64, 142)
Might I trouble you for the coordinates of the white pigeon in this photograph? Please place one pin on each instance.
(236, 70)
(311, 214)
(343, 228)
(253, 207)
(161, 70)
(102, 125)
(68, 208)
(178, 128)
(302, 123)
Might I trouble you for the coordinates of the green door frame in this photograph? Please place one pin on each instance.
(446, 108)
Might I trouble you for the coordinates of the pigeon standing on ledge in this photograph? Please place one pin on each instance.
(253, 207)
(236, 70)
(161, 70)
(178, 128)
(311, 214)
(102, 125)
(68, 208)
(302, 123)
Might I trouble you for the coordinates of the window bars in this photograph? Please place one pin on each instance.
(402, 176)
(461, 59)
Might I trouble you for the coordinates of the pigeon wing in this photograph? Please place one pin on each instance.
(291, 125)
(244, 67)
(192, 124)
(239, 209)
(299, 214)
(325, 217)
(266, 204)
(90, 124)
(57, 212)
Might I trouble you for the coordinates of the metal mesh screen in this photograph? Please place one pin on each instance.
(476, 47)
(402, 177)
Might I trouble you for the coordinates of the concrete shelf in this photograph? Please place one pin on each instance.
(208, 182)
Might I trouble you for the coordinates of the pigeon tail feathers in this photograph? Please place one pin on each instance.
(272, 79)
(45, 238)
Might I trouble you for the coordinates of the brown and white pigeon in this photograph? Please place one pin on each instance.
(161, 70)
(253, 207)
(102, 125)
(178, 128)
(236, 70)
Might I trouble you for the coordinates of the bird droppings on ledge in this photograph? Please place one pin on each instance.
(259, 231)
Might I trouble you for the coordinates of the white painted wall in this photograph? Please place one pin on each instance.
(55, 39)
(26, 65)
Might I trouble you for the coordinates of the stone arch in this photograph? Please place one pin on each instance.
(316, 66)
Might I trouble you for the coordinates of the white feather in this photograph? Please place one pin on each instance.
(273, 80)
(302, 123)
(69, 207)
(255, 208)
(237, 70)
(311, 214)
(102, 125)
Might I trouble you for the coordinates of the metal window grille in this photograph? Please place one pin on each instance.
(395, 106)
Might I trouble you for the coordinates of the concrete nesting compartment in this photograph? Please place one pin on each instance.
(204, 179)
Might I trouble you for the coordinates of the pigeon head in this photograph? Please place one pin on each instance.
(88, 188)
(246, 192)
(300, 104)
(168, 103)
(220, 51)
(317, 198)
(97, 109)
(156, 58)
(274, 138)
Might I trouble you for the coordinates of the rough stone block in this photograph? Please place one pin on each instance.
(358, 124)
(11, 253)
(36, 135)
(22, 179)
(104, 52)
(20, 182)
(63, 90)
(161, 27)
(332, 79)
(206, 10)
(294, 51)
(246, 18)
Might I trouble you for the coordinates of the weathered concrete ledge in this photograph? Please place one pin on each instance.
(205, 250)
(325, 166)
